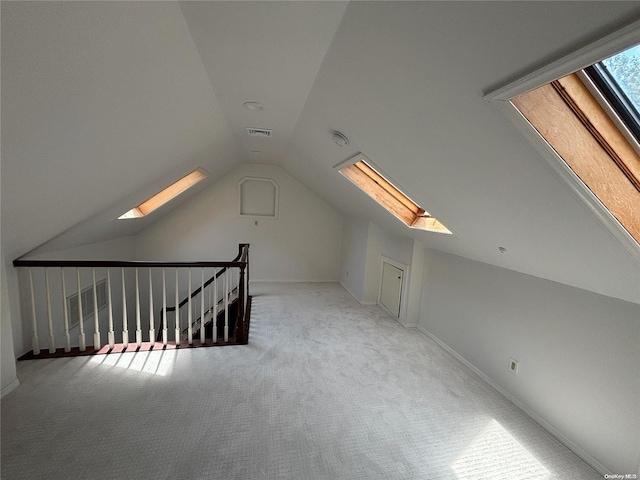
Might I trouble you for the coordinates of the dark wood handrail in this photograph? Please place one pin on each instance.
(119, 263)
(236, 262)
(242, 253)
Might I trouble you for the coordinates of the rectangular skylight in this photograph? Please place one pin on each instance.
(369, 179)
(162, 197)
(585, 118)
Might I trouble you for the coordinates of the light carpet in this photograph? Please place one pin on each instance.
(326, 389)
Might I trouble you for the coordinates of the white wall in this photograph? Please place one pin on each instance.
(122, 248)
(353, 256)
(414, 302)
(376, 243)
(302, 244)
(578, 351)
(8, 378)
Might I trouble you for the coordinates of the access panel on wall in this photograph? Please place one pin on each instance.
(391, 288)
(258, 197)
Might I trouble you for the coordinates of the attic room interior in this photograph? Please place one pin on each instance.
(509, 347)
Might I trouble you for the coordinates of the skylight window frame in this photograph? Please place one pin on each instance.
(609, 109)
(615, 97)
(165, 195)
(501, 97)
(371, 180)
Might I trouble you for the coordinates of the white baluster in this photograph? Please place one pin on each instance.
(67, 337)
(125, 320)
(164, 310)
(111, 334)
(190, 314)
(202, 307)
(152, 324)
(96, 333)
(215, 306)
(226, 305)
(34, 339)
(52, 342)
(81, 340)
(138, 328)
(177, 332)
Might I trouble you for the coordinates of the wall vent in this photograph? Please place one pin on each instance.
(259, 132)
(87, 302)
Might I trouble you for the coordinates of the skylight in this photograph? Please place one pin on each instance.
(618, 78)
(162, 197)
(369, 179)
(590, 119)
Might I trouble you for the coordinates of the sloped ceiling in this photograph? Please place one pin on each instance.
(103, 103)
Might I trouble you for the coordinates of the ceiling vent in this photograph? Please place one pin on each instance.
(259, 132)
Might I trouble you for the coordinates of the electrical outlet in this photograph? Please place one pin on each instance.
(513, 366)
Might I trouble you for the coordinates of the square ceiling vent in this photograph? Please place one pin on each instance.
(258, 132)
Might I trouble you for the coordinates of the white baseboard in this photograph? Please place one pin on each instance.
(410, 325)
(10, 388)
(295, 280)
(368, 302)
(601, 469)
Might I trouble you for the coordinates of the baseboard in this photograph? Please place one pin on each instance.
(402, 322)
(365, 303)
(595, 464)
(272, 280)
(10, 388)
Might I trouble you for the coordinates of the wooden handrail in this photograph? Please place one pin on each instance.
(243, 251)
(120, 263)
(236, 262)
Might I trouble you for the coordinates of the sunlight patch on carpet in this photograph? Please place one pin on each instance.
(156, 363)
(496, 454)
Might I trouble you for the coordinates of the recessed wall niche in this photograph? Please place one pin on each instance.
(258, 197)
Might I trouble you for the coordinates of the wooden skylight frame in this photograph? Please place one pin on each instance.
(569, 118)
(361, 171)
(165, 195)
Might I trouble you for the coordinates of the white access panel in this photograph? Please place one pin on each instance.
(391, 288)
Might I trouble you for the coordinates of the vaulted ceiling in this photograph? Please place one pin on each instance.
(104, 103)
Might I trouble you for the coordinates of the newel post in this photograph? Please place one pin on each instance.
(240, 323)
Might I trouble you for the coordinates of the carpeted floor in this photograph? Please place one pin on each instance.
(326, 389)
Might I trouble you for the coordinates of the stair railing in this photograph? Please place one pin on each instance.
(66, 307)
(234, 287)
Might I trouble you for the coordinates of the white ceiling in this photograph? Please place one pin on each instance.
(103, 103)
